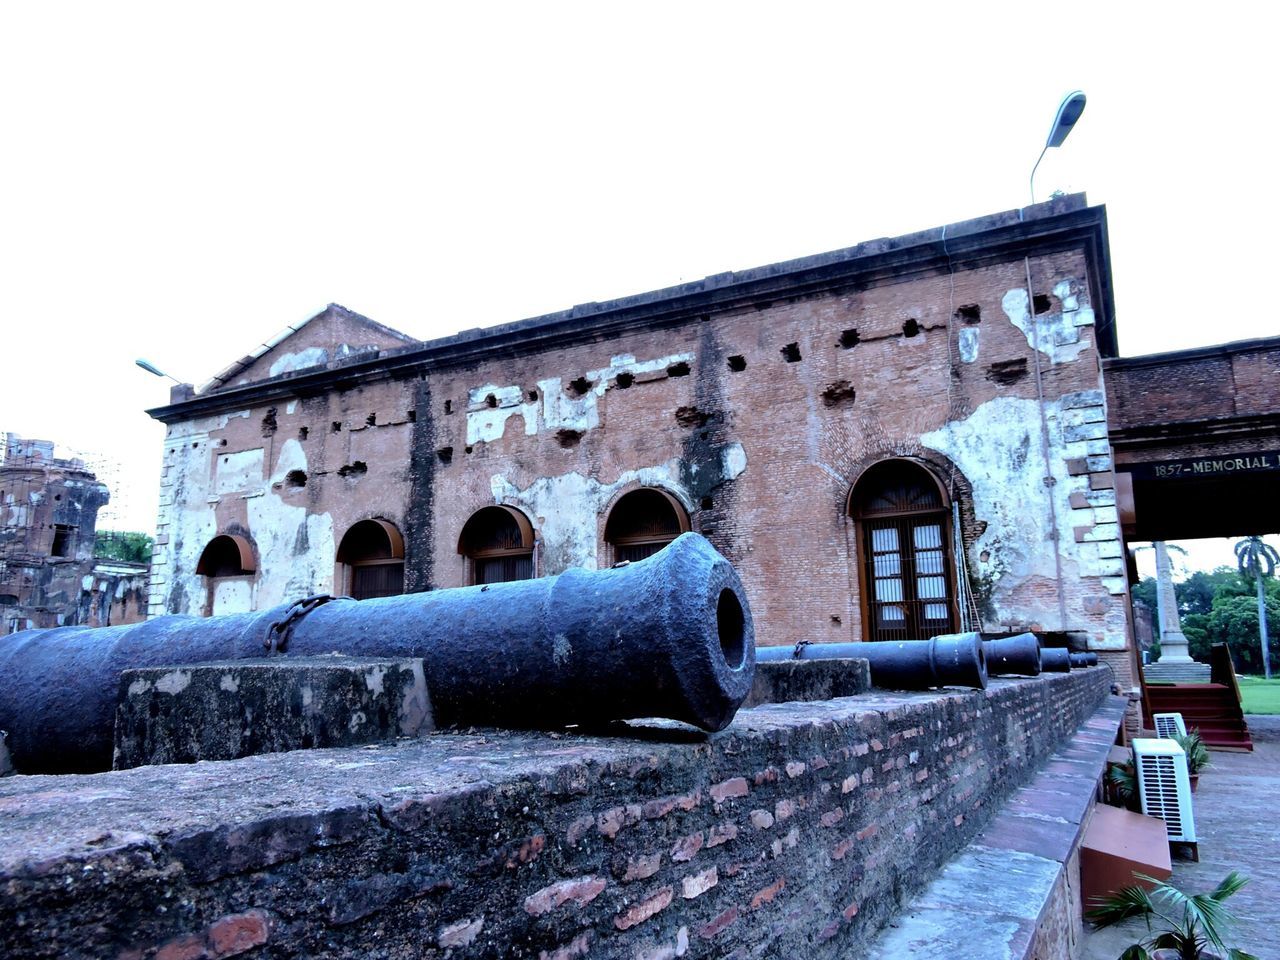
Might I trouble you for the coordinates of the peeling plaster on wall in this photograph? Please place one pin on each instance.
(733, 461)
(969, 344)
(240, 471)
(486, 424)
(186, 522)
(556, 408)
(566, 509)
(285, 574)
(1059, 333)
(997, 449)
(307, 357)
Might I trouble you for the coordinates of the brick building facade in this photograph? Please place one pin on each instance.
(901, 438)
(49, 576)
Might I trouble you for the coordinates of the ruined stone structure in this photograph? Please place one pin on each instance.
(898, 439)
(48, 574)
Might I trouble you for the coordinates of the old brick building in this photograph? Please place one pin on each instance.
(897, 439)
(49, 576)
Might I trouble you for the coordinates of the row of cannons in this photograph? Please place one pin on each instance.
(668, 637)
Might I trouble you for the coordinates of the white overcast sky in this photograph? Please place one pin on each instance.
(179, 181)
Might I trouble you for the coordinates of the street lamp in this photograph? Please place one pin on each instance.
(152, 368)
(1068, 113)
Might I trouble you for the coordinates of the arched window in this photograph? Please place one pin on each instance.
(227, 555)
(903, 528)
(498, 545)
(228, 564)
(643, 522)
(371, 556)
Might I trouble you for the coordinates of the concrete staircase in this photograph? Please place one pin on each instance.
(1176, 672)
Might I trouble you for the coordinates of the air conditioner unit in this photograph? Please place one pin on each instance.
(1164, 786)
(1169, 725)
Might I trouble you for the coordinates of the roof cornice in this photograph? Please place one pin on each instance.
(1061, 224)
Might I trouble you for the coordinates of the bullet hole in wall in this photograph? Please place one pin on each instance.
(371, 420)
(680, 369)
(625, 380)
(445, 454)
(1041, 303)
(706, 503)
(849, 339)
(491, 401)
(411, 416)
(737, 363)
(579, 387)
(302, 433)
(295, 479)
(448, 406)
(911, 328)
(969, 313)
(356, 469)
(837, 393)
(568, 438)
(1005, 372)
(533, 396)
(269, 422)
(336, 426)
(791, 353)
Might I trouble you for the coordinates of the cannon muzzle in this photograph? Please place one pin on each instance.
(669, 636)
(954, 660)
(1013, 655)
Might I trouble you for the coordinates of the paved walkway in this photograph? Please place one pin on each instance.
(1237, 812)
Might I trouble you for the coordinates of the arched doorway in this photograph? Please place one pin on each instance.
(498, 545)
(903, 523)
(642, 522)
(227, 563)
(371, 560)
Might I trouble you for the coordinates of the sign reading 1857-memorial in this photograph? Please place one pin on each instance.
(1190, 468)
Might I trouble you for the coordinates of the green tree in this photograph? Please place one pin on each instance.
(127, 545)
(1258, 561)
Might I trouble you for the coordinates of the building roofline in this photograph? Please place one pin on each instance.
(1059, 224)
(1192, 353)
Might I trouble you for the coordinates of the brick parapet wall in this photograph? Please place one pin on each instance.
(802, 828)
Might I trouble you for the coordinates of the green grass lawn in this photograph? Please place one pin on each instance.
(1260, 696)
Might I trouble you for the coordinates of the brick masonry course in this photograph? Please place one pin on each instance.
(800, 829)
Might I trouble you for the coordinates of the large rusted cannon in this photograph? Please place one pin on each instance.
(952, 660)
(1013, 655)
(1055, 659)
(669, 636)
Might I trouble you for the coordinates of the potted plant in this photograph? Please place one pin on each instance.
(1197, 755)
(1188, 936)
(1122, 786)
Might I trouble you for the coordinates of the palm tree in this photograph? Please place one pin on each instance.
(1200, 927)
(1258, 560)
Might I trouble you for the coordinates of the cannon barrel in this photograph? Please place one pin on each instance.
(669, 636)
(1084, 660)
(954, 660)
(1055, 659)
(1013, 655)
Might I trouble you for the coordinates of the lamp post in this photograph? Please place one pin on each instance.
(1063, 123)
(152, 368)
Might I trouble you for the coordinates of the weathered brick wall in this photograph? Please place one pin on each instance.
(799, 830)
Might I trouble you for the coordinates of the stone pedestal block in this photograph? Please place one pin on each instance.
(797, 680)
(238, 708)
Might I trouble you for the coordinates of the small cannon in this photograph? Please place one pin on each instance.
(1084, 660)
(1055, 659)
(953, 660)
(1013, 655)
(669, 636)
